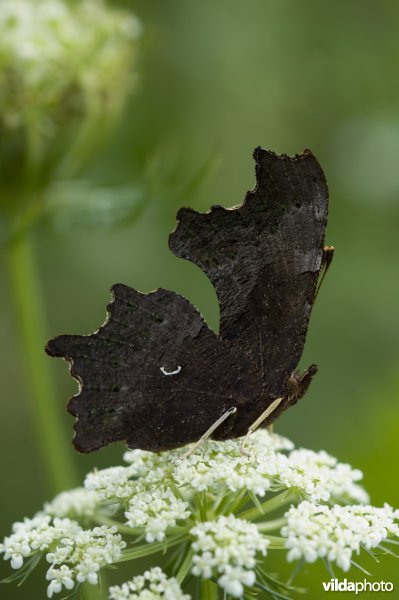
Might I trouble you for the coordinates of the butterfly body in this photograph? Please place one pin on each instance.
(156, 376)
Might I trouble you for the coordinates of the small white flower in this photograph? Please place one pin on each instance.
(153, 585)
(227, 547)
(33, 535)
(74, 504)
(111, 483)
(60, 577)
(321, 476)
(139, 460)
(155, 508)
(317, 531)
(86, 552)
(234, 579)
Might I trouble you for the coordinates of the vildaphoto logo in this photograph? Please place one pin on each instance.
(335, 585)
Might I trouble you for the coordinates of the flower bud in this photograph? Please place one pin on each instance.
(65, 71)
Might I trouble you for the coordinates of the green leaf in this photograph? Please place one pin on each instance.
(84, 205)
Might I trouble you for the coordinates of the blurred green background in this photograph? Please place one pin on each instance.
(217, 79)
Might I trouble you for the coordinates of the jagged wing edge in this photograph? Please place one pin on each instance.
(306, 154)
(70, 360)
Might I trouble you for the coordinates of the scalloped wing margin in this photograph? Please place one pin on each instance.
(263, 257)
(153, 375)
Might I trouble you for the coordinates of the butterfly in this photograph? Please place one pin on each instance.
(156, 376)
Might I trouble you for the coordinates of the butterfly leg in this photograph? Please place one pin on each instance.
(272, 407)
(209, 431)
(327, 258)
(298, 383)
(296, 386)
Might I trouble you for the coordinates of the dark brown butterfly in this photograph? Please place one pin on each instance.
(156, 376)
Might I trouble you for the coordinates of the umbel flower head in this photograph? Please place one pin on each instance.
(210, 517)
(65, 69)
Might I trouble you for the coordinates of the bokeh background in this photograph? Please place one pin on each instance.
(215, 80)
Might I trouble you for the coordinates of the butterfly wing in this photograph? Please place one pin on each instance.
(153, 375)
(264, 259)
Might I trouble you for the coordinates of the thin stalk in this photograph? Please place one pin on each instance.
(202, 506)
(272, 525)
(135, 531)
(93, 592)
(362, 569)
(387, 550)
(271, 505)
(185, 566)
(29, 309)
(123, 529)
(239, 499)
(147, 549)
(276, 542)
(209, 590)
(50, 434)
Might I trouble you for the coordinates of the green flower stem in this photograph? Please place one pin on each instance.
(148, 549)
(185, 567)
(276, 543)
(125, 529)
(272, 525)
(202, 506)
(209, 590)
(136, 531)
(93, 592)
(29, 309)
(271, 505)
(231, 503)
(390, 541)
(27, 298)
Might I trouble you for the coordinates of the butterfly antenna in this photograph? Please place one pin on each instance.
(271, 408)
(209, 431)
(328, 255)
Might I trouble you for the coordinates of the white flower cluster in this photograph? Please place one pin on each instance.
(74, 504)
(335, 533)
(111, 483)
(35, 534)
(191, 496)
(118, 482)
(320, 476)
(156, 510)
(226, 548)
(52, 45)
(66, 70)
(158, 487)
(217, 465)
(75, 554)
(81, 556)
(265, 466)
(153, 585)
